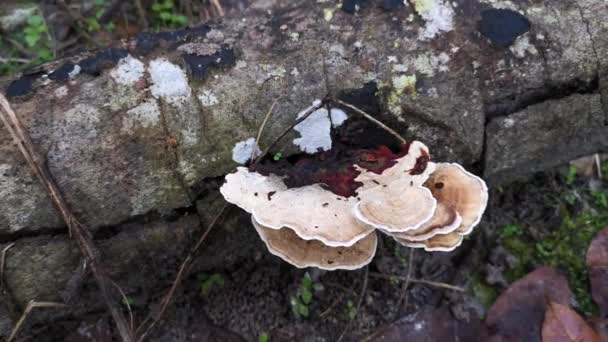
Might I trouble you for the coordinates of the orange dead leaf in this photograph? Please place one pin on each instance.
(562, 324)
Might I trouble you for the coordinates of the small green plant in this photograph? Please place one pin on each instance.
(571, 175)
(93, 20)
(208, 282)
(36, 39)
(350, 311)
(600, 198)
(510, 230)
(569, 197)
(127, 301)
(301, 302)
(165, 15)
(263, 338)
(277, 156)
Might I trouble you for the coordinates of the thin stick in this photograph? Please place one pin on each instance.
(418, 281)
(184, 268)
(359, 303)
(125, 300)
(257, 139)
(2, 262)
(306, 114)
(77, 231)
(14, 60)
(218, 7)
(404, 293)
(142, 15)
(332, 306)
(598, 165)
(30, 306)
(372, 119)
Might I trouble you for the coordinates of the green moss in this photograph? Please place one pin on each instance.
(564, 248)
(484, 292)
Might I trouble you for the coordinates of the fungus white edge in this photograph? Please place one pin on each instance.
(429, 249)
(485, 197)
(359, 216)
(305, 265)
(325, 241)
(443, 230)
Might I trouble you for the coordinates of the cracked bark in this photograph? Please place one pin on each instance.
(508, 113)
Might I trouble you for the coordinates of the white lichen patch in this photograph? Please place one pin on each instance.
(61, 92)
(338, 116)
(328, 14)
(75, 71)
(168, 81)
(315, 130)
(208, 98)
(509, 122)
(128, 71)
(145, 115)
(438, 16)
(243, 150)
(522, 46)
(428, 63)
(401, 83)
(271, 71)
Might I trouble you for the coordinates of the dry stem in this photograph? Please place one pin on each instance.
(30, 306)
(184, 268)
(78, 231)
(372, 119)
(359, 303)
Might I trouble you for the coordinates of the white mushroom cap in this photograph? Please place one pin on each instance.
(438, 243)
(445, 220)
(466, 193)
(313, 213)
(397, 207)
(288, 246)
(244, 188)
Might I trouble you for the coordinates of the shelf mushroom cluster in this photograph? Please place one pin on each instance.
(431, 207)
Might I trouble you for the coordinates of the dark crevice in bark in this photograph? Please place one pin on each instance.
(516, 103)
(603, 100)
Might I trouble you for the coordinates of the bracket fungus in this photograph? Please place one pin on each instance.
(320, 212)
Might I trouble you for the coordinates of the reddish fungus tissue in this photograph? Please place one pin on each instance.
(421, 163)
(335, 170)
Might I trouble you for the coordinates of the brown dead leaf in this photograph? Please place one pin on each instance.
(518, 313)
(597, 266)
(562, 324)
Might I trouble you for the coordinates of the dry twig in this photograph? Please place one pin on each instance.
(418, 281)
(183, 270)
(404, 293)
(2, 262)
(30, 306)
(372, 119)
(77, 230)
(257, 139)
(359, 303)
